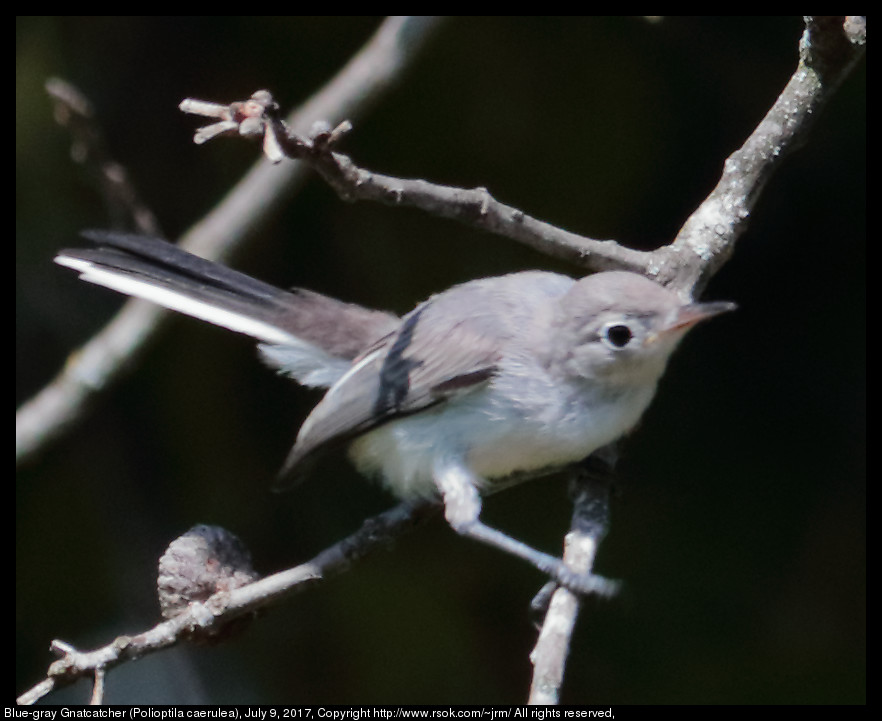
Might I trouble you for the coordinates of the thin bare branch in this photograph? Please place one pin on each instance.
(829, 49)
(471, 206)
(205, 620)
(828, 52)
(590, 490)
(125, 207)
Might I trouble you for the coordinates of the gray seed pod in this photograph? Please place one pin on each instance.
(200, 563)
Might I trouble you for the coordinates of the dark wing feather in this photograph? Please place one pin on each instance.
(340, 329)
(433, 355)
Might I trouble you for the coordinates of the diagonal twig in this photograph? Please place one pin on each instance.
(202, 620)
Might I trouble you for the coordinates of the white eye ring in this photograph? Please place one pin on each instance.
(616, 335)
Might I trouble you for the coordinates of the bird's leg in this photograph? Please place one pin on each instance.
(462, 509)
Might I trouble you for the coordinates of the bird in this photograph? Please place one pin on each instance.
(489, 382)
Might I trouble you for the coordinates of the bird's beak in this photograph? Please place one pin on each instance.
(693, 313)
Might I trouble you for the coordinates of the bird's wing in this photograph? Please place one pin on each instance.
(449, 345)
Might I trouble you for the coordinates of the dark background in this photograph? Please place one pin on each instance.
(739, 526)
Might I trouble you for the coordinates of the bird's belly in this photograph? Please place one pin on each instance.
(494, 436)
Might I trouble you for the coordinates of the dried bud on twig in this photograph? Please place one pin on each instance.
(202, 562)
(259, 115)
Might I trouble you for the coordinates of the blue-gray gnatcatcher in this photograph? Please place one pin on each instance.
(486, 382)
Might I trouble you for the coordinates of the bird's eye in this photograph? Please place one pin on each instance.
(616, 335)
